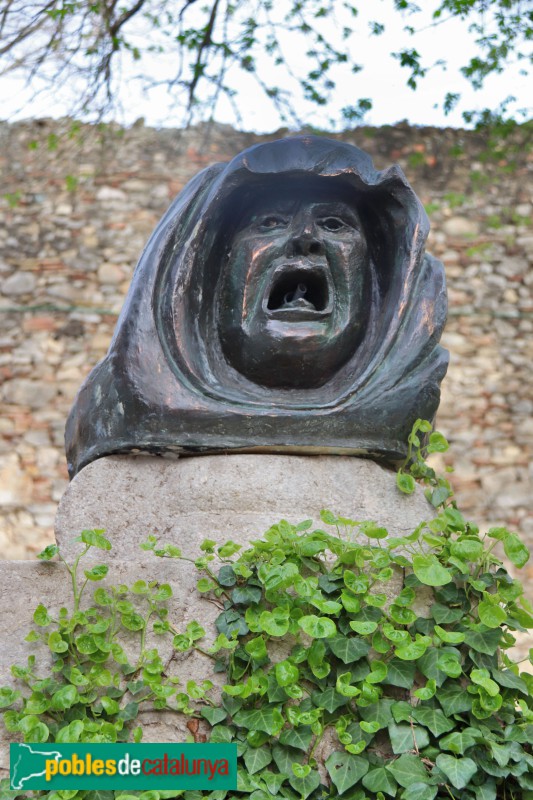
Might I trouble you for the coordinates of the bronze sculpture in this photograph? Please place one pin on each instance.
(284, 303)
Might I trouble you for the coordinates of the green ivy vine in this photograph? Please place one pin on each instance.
(377, 695)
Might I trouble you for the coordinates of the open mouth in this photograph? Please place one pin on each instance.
(298, 293)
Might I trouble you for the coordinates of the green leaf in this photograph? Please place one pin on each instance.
(86, 644)
(318, 627)
(246, 595)
(420, 791)
(515, 550)
(97, 573)
(256, 648)
(56, 643)
(468, 548)
(345, 770)
(329, 699)
(268, 719)
(300, 737)
(276, 622)
(41, 616)
(459, 771)
(400, 673)
(405, 738)
(481, 677)
(213, 715)
(8, 696)
(445, 615)
(454, 699)
(408, 770)
(402, 615)
(426, 692)
(491, 615)
(257, 758)
(380, 780)
(133, 621)
(305, 786)
(231, 621)
(432, 718)
(411, 651)
(64, 698)
(449, 637)
(95, 539)
(380, 712)
(405, 483)
(430, 571)
(364, 627)
(349, 649)
(49, 552)
(459, 741)
(509, 680)
(487, 790)
(286, 673)
(483, 641)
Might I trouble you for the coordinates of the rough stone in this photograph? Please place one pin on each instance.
(19, 283)
(221, 496)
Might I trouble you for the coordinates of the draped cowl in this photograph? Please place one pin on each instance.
(165, 385)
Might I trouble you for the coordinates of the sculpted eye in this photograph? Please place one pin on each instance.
(271, 222)
(332, 223)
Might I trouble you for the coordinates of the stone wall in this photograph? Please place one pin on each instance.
(78, 205)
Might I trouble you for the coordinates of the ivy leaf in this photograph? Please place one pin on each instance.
(491, 615)
(433, 718)
(405, 738)
(297, 737)
(509, 680)
(257, 759)
(411, 651)
(349, 649)
(420, 791)
(64, 698)
(213, 715)
(41, 616)
(268, 719)
(97, 573)
(459, 741)
(345, 770)
(405, 483)
(49, 552)
(230, 621)
(285, 757)
(400, 673)
(459, 771)
(317, 627)
(380, 712)
(487, 790)
(430, 571)
(246, 595)
(407, 770)
(484, 641)
(330, 700)
(379, 780)
(515, 550)
(95, 539)
(305, 786)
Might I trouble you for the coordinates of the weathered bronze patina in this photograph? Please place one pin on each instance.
(284, 303)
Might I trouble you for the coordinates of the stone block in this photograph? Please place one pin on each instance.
(186, 500)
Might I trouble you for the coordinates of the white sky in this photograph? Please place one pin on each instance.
(381, 79)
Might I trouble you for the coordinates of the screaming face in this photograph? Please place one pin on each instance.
(293, 292)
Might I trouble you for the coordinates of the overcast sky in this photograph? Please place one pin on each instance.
(382, 80)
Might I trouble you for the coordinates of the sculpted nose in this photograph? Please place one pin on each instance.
(304, 241)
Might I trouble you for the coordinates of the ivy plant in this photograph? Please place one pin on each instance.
(357, 664)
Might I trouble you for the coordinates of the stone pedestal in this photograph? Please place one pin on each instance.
(183, 502)
(235, 496)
